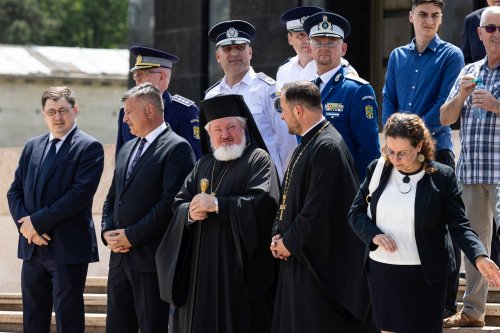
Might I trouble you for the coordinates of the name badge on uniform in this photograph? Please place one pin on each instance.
(369, 111)
(331, 114)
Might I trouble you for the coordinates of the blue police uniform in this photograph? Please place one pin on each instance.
(349, 104)
(180, 113)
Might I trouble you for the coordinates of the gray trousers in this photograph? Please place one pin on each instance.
(480, 206)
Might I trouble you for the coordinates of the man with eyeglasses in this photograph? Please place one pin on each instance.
(302, 65)
(348, 101)
(155, 66)
(418, 80)
(50, 201)
(477, 168)
(471, 46)
(233, 53)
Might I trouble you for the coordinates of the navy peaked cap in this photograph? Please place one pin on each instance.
(295, 17)
(328, 25)
(147, 57)
(231, 32)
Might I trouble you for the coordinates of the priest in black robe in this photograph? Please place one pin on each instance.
(214, 262)
(320, 285)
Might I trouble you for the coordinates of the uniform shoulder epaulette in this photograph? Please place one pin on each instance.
(213, 86)
(182, 100)
(267, 79)
(356, 78)
(284, 62)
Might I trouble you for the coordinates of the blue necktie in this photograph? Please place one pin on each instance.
(136, 157)
(318, 81)
(44, 170)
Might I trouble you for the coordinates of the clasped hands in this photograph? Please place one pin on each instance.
(29, 232)
(117, 241)
(200, 206)
(278, 248)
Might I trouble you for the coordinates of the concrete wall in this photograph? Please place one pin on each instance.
(20, 107)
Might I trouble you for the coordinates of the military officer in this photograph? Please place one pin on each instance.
(348, 101)
(155, 66)
(233, 53)
(302, 65)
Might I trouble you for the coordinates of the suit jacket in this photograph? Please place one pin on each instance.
(439, 214)
(66, 202)
(142, 205)
(472, 47)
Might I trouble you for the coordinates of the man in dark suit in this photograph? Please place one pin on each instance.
(51, 202)
(138, 208)
(472, 47)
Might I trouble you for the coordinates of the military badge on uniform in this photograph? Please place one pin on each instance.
(277, 102)
(338, 107)
(369, 111)
(232, 33)
(138, 60)
(196, 132)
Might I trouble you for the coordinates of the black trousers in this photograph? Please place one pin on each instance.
(447, 157)
(134, 302)
(44, 284)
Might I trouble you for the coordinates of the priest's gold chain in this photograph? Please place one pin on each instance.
(289, 171)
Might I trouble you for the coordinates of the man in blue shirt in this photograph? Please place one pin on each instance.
(418, 80)
(348, 101)
(155, 66)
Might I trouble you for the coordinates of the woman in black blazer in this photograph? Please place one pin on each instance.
(416, 208)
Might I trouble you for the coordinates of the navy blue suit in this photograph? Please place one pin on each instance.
(349, 103)
(180, 113)
(142, 205)
(472, 47)
(64, 212)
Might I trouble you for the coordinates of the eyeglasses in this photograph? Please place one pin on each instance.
(140, 75)
(61, 111)
(491, 28)
(402, 155)
(329, 45)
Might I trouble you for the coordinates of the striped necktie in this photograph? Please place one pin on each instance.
(136, 157)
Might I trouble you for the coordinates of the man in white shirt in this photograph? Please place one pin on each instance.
(232, 39)
(301, 66)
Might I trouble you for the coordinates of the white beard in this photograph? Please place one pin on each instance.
(230, 152)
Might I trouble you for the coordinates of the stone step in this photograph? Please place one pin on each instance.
(96, 285)
(489, 329)
(94, 303)
(12, 321)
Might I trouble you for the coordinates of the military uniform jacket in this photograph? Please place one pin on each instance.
(180, 113)
(349, 104)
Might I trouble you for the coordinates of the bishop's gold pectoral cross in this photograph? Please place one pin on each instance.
(282, 207)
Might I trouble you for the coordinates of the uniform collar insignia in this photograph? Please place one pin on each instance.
(337, 78)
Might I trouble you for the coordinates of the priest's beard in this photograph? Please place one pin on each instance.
(231, 152)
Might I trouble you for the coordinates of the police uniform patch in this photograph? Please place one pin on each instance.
(368, 97)
(369, 111)
(277, 101)
(196, 128)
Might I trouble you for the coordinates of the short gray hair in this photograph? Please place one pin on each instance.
(489, 10)
(148, 92)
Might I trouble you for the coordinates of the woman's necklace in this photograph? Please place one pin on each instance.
(289, 171)
(405, 186)
(212, 191)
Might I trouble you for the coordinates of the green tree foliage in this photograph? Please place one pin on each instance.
(83, 23)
